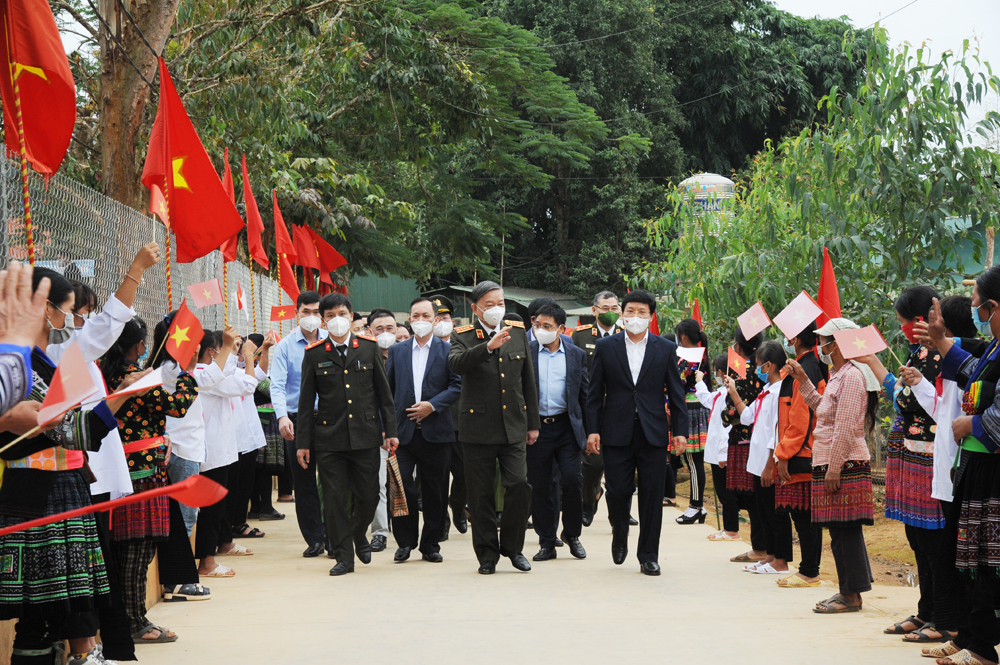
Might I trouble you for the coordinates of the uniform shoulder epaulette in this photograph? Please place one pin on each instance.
(368, 337)
(586, 326)
(316, 343)
(462, 329)
(516, 324)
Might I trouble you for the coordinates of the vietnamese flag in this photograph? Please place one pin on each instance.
(798, 315)
(201, 214)
(696, 314)
(255, 225)
(282, 312)
(737, 363)
(33, 57)
(282, 241)
(184, 335)
(287, 282)
(305, 249)
(753, 321)
(206, 293)
(70, 385)
(329, 258)
(859, 342)
(158, 206)
(828, 297)
(230, 246)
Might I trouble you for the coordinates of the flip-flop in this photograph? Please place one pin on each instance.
(752, 568)
(963, 657)
(238, 550)
(220, 571)
(830, 609)
(722, 535)
(746, 558)
(795, 582)
(943, 651)
(898, 629)
(768, 569)
(137, 638)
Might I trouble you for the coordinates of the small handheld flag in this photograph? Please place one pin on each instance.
(70, 385)
(693, 356)
(241, 300)
(206, 293)
(158, 205)
(754, 320)
(282, 312)
(859, 342)
(184, 335)
(799, 313)
(737, 364)
(151, 380)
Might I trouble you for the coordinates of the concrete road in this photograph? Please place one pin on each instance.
(282, 608)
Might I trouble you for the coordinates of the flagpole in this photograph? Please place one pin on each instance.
(253, 290)
(225, 291)
(22, 143)
(170, 285)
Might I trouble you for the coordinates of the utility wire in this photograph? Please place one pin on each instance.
(137, 29)
(116, 41)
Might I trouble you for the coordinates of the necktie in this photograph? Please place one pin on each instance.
(342, 350)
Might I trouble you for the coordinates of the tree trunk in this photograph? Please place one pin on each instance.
(124, 95)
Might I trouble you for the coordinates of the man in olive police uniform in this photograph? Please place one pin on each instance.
(354, 418)
(498, 420)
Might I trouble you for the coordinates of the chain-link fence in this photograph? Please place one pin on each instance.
(89, 237)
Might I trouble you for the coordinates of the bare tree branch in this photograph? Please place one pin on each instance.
(77, 16)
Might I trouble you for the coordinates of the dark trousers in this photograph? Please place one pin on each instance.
(213, 521)
(455, 468)
(748, 502)
(176, 562)
(730, 507)
(810, 541)
(480, 475)
(620, 466)
(772, 526)
(854, 573)
(696, 466)
(242, 486)
(285, 484)
(349, 479)
(35, 632)
(593, 469)
(308, 511)
(115, 634)
(260, 496)
(670, 478)
(430, 460)
(556, 455)
(941, 595)
(132, 559)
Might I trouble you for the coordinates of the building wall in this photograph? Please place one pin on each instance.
(393, 293)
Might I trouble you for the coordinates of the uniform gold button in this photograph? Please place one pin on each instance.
(503, 391)
(501, 376)
(472, 410)
(345, 371)
(350, 415)
(505, 406)
(324, 422)
(324, 371)
(349, 402)
(501, 360)
(348, 385)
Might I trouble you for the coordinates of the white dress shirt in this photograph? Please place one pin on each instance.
(418, 362)
(253, 431)
(187, 434)
(763, 415)
(717, 439)
(221, 427)
(636, 351)
(943, 409)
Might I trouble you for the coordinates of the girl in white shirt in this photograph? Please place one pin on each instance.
(717, 446)
(763, 415)
(251, 439)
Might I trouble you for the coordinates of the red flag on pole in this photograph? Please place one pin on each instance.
(184, 335)
(230, 246)
(288, 284)
(737, 363)
(255, 225)
(654, 325)
(201, 215)
(33, 58)
(158, 206)
(828, 297)
(206, 293)
(800, 313)
(305, 249)
(70, 385)
(283, 243)
(859, 342)
(696, 314)
(329, 258)
(282, 312)
(753, 321)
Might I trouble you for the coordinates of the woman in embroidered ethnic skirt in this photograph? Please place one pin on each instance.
(136, 528)
(53, 578)
(977, 478)
(690, 335)
(841, 478)
(738, 481)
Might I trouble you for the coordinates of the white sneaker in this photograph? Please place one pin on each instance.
(94, 657)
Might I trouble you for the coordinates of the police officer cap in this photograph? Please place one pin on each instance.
(442, 305)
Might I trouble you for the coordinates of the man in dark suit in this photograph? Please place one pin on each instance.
(424, 390)
(626, 420)
(499, 407)
(561, 375)
(353, 419)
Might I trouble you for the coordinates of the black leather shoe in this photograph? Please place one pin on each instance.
(544, 554)
(588, 518)
(378, 544)
(313, 550)
(575, 548)
(433, 557)
(364, 553)
(461, 523)
(632, 521)
(520, 562)
(402, 554)
(487, 568)
(559, 542)
(342, 568)
(649, 568)
(619, 546)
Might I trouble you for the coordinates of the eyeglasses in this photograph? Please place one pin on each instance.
(609, 308)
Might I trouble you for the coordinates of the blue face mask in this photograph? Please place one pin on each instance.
(762, 375)
(789, 348)
(983, 326)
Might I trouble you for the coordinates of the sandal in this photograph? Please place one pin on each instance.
(752, 567)
(669, 502)
(830, 609)
(768, 569)
(163, 637)
(246, 531)
(185, 592)
(963, 657)
(943, 651)
(795, 582)
(238, 550)
(898, 629)
(722, 535)
(922, 637)
(747, 557)
(220, 571)
(289, 500)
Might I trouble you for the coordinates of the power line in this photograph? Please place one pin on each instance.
(137, 29)
(891, 14)
(119, 44)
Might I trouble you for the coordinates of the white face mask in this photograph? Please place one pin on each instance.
(421, 328)
(545, 337)
(386, 339)
(310, 323)
(338, 326)
(492, 316)
(443, 328)
(636, 324)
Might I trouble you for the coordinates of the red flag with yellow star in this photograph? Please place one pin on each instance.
(859, 342)
(230, 246)
(282, 241)
(201, 214)
(184, 335)
(33, 57)
(282, 312)
(799, 314)
(255, 225)
(287, 281)
(329, 258)
(305, 249)
(206, 293)
(737, 363)
(753, 321)
(158, 205)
